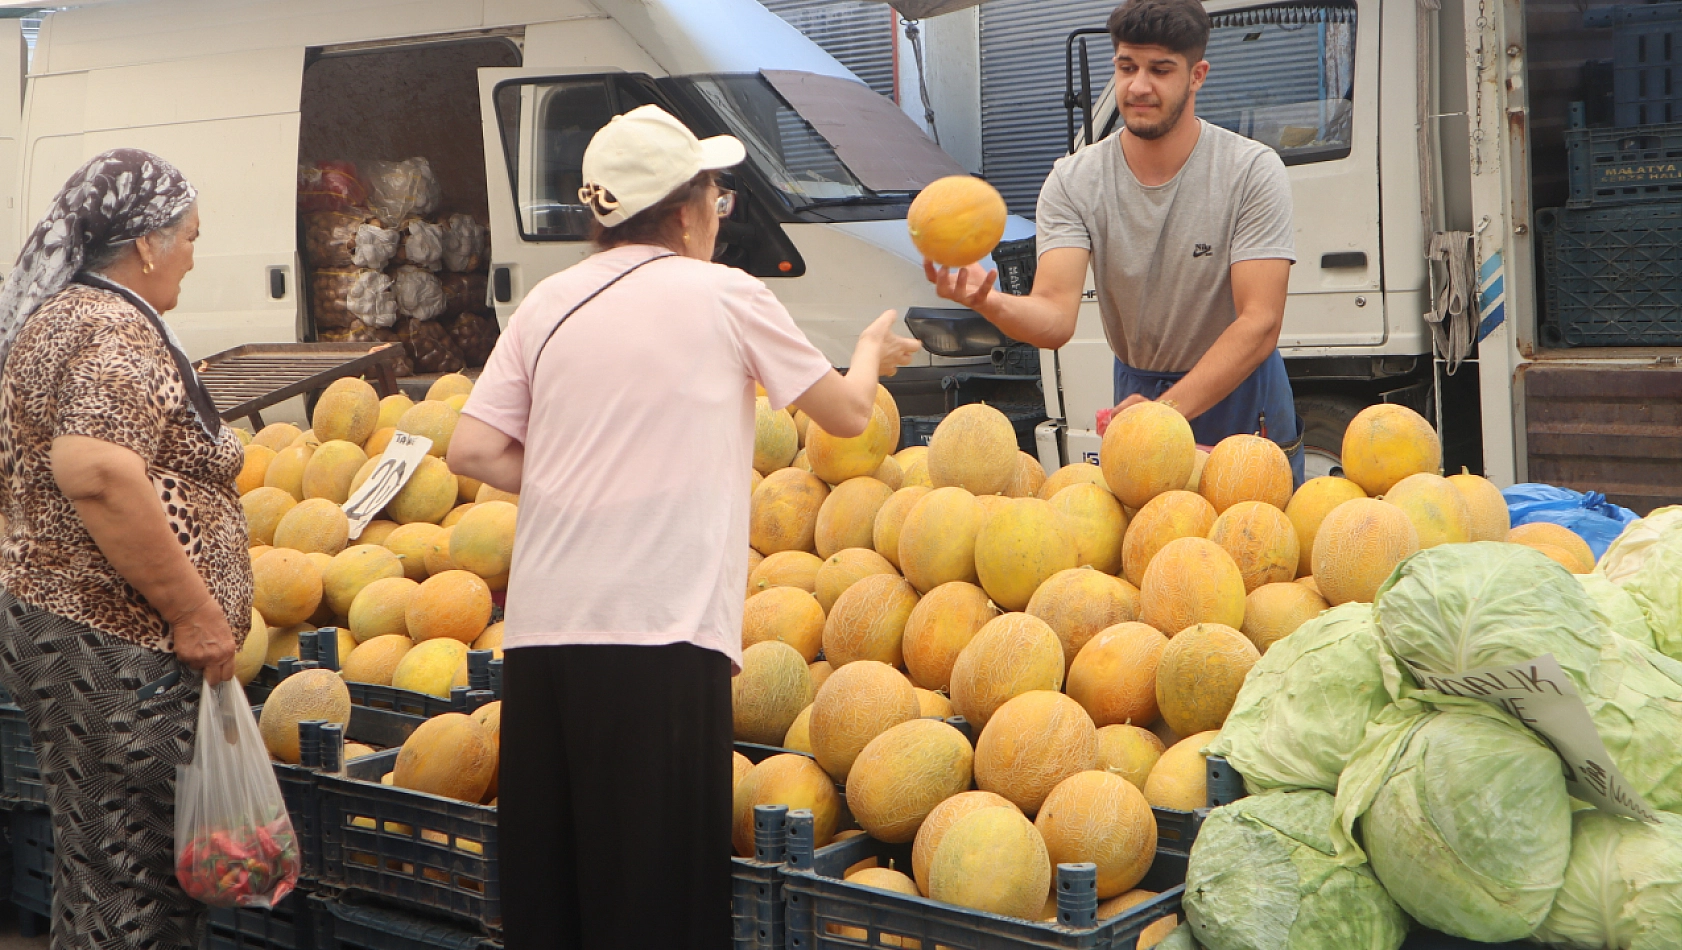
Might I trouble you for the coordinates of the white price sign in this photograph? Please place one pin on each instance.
(1540, 695)
(387, 479)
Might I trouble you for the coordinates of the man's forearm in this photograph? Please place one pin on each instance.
(1236, 353)
(1038, 321)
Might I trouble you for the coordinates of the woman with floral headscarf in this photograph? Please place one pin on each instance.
(124, 566)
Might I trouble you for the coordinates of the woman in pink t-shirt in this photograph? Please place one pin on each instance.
(619, 403)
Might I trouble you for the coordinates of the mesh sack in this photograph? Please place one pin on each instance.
(419, 292)
(397, 190)
(362, 333)
(330, 238)
(474, 337)
(329, 186)
(466, 244)
(375, 245)
(430, 346)
(463, 293)
(422, 244)
(345, 296)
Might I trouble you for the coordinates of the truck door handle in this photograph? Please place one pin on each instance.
(502, 283)
(1341, 259)
(277, 282)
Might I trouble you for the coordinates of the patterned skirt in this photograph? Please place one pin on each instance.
(108, 762)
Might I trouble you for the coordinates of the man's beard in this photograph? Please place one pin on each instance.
(1159, 129)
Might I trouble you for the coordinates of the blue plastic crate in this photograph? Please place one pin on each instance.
(1612, 276)
(352, 927)
(33, 864)
(1620, 166)
(1647, 60)
(20, 772)
(291, 925)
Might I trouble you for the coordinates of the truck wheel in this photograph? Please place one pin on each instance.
(1323, 420)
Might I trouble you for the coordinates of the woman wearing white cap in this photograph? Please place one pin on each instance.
(619, 403)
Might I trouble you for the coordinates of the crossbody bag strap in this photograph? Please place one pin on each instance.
(580, 306)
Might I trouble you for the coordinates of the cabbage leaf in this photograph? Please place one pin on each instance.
(1623, 615)
(1623, 886)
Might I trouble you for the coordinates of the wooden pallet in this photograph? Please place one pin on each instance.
(247, 379)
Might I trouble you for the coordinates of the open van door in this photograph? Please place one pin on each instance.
(14, 61)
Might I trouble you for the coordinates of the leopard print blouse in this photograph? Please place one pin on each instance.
(89, 363)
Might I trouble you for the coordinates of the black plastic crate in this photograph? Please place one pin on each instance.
(403, 701)
(291, 925)
(1647, 60)
(1016, 262)
(918, 430)
(33, 863)
(1612, 276)
(1017, 359)
(1620, 166)
(353, 927)
(20, 773)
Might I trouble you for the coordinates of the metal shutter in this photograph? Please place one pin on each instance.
(859, 33)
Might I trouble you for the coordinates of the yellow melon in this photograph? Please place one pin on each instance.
(433, 420)
(1357, 547)
(264, 507)
(449, 755)
(1012, 655)
(1191, 581)
(349, 411)
(903, 774)
(286, 469)
(741, 766)
(858, 702)
(1096, 522)
(305, 695)
(377, 531)
(785, 615)
(1246, 468)
(890, 408)
(1310, 583)
(467, 489)
(799, 734)
(1273, 612)
(493, 493)
(1262, 542)
(1074, 473)
(1564, 558)
(1542, 532)
(845, 568)
(410, 543)
(1128, 751)
(1079, 603)
(890, 474)
(353, 569)
(784, 512)
(483, 541)
(277, 435)
(1019, 548)
(249, 660)
(256, 467)
(1098, 818)
(775, 439)
(1310, 506)
(957, 220)
(430, 492)
(283, 642)
(1437, 509)
(286, 587)
(911, 455)
(1030, 475)
(449, 385)
(364, 473)
(770, 691)
(1114, 677)
(992, 860)
(754, 560)
(490, 639)
(380, 608)
(356, 750)
(391, 411)
(800, 462)
(1195, 483)
(933, 705)
(939, 820)
(939, 628)
(438, 553)
(1199, 674)
(489, 717)
(1180, 779)
(821, 670)
(786, 569)
(378, 443)
(937, 539)
(847, 518)
(454, 604)
(835, 459)
(1491, 519)
(1167, 517)
(457, 513)
(1032, 744)
(883, 879)
(801, 421)
(1385, 444)
(430, 667)
(1148, 449)
(868, 621)
(243, 434)
(973, 448)
(258, 550)
(792, 780)
(375, 660)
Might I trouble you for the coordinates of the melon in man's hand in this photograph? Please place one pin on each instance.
(957, 221)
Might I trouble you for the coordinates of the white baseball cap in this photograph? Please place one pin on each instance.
(644, 155)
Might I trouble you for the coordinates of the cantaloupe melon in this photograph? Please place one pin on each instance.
(799, 734)
(264, 507)
(770, 691)
(365, 472)
(740, 767)
(489, 718)
(775, 439)
(1095, 520)
(391, 410)
(434, 420)
(430, 492)
(973, 448)
(933, 705)
(937, 540)
(249, 660)
(1030, 475)
(939, 628)
(349, 410)
(430, 667)
(847, 518)
(457, 513)
(1148, 449)
(448, 755)
(1098, 818)
(483, 541)
(1114, 676)
(1246, 468)
(1180, 779)
(754, 560)
(1019, 548)
(940, 820)
(491, 639)
(786, 615)
(1491, 519)
(890, 474)
(1310, 506)
(1079, 603)
(277, 435)
(449, 384)
(454, 604)
(1386, 443)
(375, 660)
(890, 407)
(352, 570)
(438, 553)
(858, 702)
(380, 609)
(315, 525)
(258, 550)
(1191, 581)
(1199, 674)
(378, 443)
(1128, 751)
(903, 774)
(1273, 612)
(286, 469)
(1310, 583)
(786, 569)
(410, 543)
(957, 220)
(791, 780)
(1167, 517)
(992, 860)
(1032, 743)
(283, 642)
(868, 621)
(1262, 542)
(306, 694)
(844, 569)
(912, 455)
(835, 459)
(1564, 558)
(255, 468)
(1357, 547)
(1074, 473)
(1545, 533)
(1437, 509)
(784, 512)
(1013, 654)
(377, 531)
(286, 587)
(1195, 482)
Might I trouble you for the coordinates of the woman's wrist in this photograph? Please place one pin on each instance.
(179, 616)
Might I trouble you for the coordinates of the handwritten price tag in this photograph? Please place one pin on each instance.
(388, 478)
(1540, 695)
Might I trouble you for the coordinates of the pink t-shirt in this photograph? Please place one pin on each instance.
(638, 428)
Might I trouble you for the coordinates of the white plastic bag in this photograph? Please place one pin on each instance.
(234, 844)
(372, 301)
(375, 246)
(423, 244)
(419, 292)
(399, 189)
(465, 243)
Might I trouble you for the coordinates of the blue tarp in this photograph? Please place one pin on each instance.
(1589, 514)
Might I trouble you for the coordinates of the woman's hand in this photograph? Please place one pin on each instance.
(203, 641)
(892, 351)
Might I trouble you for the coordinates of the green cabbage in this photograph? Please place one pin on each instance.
(1623, 887)
(1463, 813)
(1646, 561)
(1263, 876)
(1462, 607)
(1306, 703)
(1636, 704)
(1624, 616)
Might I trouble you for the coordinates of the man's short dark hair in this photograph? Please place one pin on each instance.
(1180, 26)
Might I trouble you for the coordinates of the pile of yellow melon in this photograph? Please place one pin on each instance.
(413, 593)
(1094, 627)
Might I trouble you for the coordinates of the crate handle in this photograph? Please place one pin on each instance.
(800, 839)
(770, 833)
(1077, 895)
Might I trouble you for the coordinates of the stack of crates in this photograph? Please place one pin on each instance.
(1612, 257)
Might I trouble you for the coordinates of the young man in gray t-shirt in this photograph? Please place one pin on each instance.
(1187, 228)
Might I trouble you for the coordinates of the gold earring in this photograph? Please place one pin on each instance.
(145, 267)
(686, 235)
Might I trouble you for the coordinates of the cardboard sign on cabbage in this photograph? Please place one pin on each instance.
(1489, 750)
